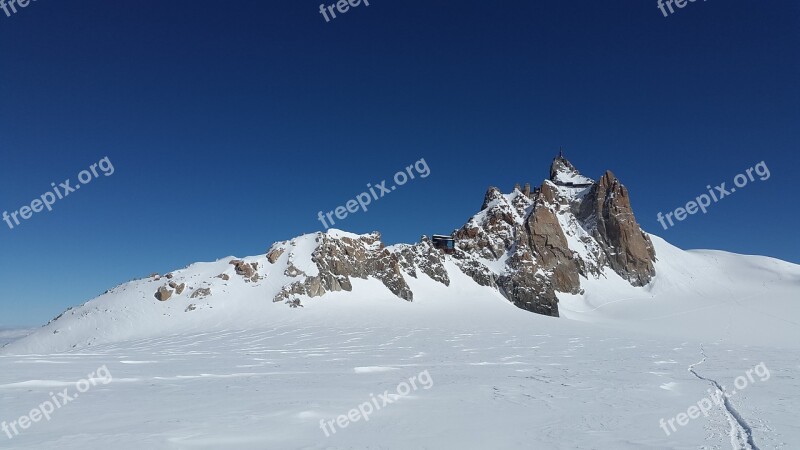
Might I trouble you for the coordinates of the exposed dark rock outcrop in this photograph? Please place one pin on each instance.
(338, 259)
(163, 294)
(426, 258)
(201, 293)
(178, 287)
(249, 271)
(274, 254)
(607, 213)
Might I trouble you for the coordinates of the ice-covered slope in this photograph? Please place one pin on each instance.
(696, 294)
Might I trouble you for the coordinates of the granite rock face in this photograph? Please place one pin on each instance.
(424, 258)
(542, 241)
(337, 259)
(607, 213)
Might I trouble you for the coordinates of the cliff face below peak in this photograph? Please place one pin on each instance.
(607, 213)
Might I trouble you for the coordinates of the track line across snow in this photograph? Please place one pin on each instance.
(741, 434)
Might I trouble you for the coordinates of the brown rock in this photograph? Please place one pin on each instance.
(274, 254)
(201, 292)
(292, 271)
(549, 245)
(340, 259)
(163, 294)
(628, 249)
(247, 270)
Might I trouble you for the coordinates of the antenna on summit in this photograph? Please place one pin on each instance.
(561, 152)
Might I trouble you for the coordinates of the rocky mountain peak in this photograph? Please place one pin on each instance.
(562, 172)
(492, 195)
(529, 245)
(548, 238)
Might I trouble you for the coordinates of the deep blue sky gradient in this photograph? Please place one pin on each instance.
(231, 124)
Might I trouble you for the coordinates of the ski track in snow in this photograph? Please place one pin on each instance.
(740, 433)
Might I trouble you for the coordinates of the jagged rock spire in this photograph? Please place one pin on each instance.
(551, 239)
(563, 173)
(608, 208)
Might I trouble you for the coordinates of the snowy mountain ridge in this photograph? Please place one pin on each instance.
(571, 239)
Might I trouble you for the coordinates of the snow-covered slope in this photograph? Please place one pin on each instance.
(131, 310)
(696, 294)
(699, 294)
(242, 372)
(10, 335)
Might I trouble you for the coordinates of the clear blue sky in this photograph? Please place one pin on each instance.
(231, 124)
